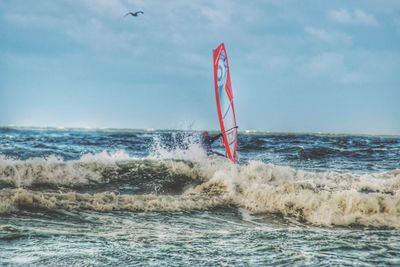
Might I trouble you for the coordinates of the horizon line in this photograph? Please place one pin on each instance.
(246, 131)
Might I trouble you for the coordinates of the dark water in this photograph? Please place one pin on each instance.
(127, 197)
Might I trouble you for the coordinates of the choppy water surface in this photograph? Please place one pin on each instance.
(114, 197)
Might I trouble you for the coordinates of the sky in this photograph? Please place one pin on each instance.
(296, 66)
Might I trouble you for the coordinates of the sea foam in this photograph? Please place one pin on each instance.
(320, 198)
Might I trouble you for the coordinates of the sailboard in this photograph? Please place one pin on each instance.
(225, 104)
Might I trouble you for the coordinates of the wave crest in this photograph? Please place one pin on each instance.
(320, 198)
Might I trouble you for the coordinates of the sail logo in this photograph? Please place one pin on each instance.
(222, 78)
(222, 69)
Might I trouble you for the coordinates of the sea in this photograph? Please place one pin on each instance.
(122, 197)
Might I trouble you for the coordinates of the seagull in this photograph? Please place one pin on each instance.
(134, 14)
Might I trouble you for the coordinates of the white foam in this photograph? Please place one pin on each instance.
(57, 171)
(320, 198)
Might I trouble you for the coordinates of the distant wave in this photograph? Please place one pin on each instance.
(166, 182)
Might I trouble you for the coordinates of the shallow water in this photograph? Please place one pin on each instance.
(113, 197)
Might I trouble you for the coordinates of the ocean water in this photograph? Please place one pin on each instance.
(73, 197)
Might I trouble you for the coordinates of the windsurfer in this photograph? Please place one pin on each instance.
(207, 141)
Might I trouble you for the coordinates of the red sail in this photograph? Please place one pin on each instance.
(224, 98)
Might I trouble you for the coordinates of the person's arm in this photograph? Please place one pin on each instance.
(213, 139)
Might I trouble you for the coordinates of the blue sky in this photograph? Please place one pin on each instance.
(296, 66)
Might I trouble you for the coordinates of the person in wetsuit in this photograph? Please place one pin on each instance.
(207, 141)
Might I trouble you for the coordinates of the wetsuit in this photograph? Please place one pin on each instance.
(206, 142)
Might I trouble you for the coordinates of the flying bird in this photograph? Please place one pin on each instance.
(134, 14)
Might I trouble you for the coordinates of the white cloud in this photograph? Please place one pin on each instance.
(332, 66)
(358, 16)
(328, 37)
(341, 16)
(325, 63)
(215, 16)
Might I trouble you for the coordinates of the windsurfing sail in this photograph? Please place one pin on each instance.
(225, 106)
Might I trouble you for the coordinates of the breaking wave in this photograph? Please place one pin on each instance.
(187, 180)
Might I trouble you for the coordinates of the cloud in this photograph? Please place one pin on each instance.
(325, 63)
(215, 16)
(328, 37)
(332, 66)
(357, 17)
